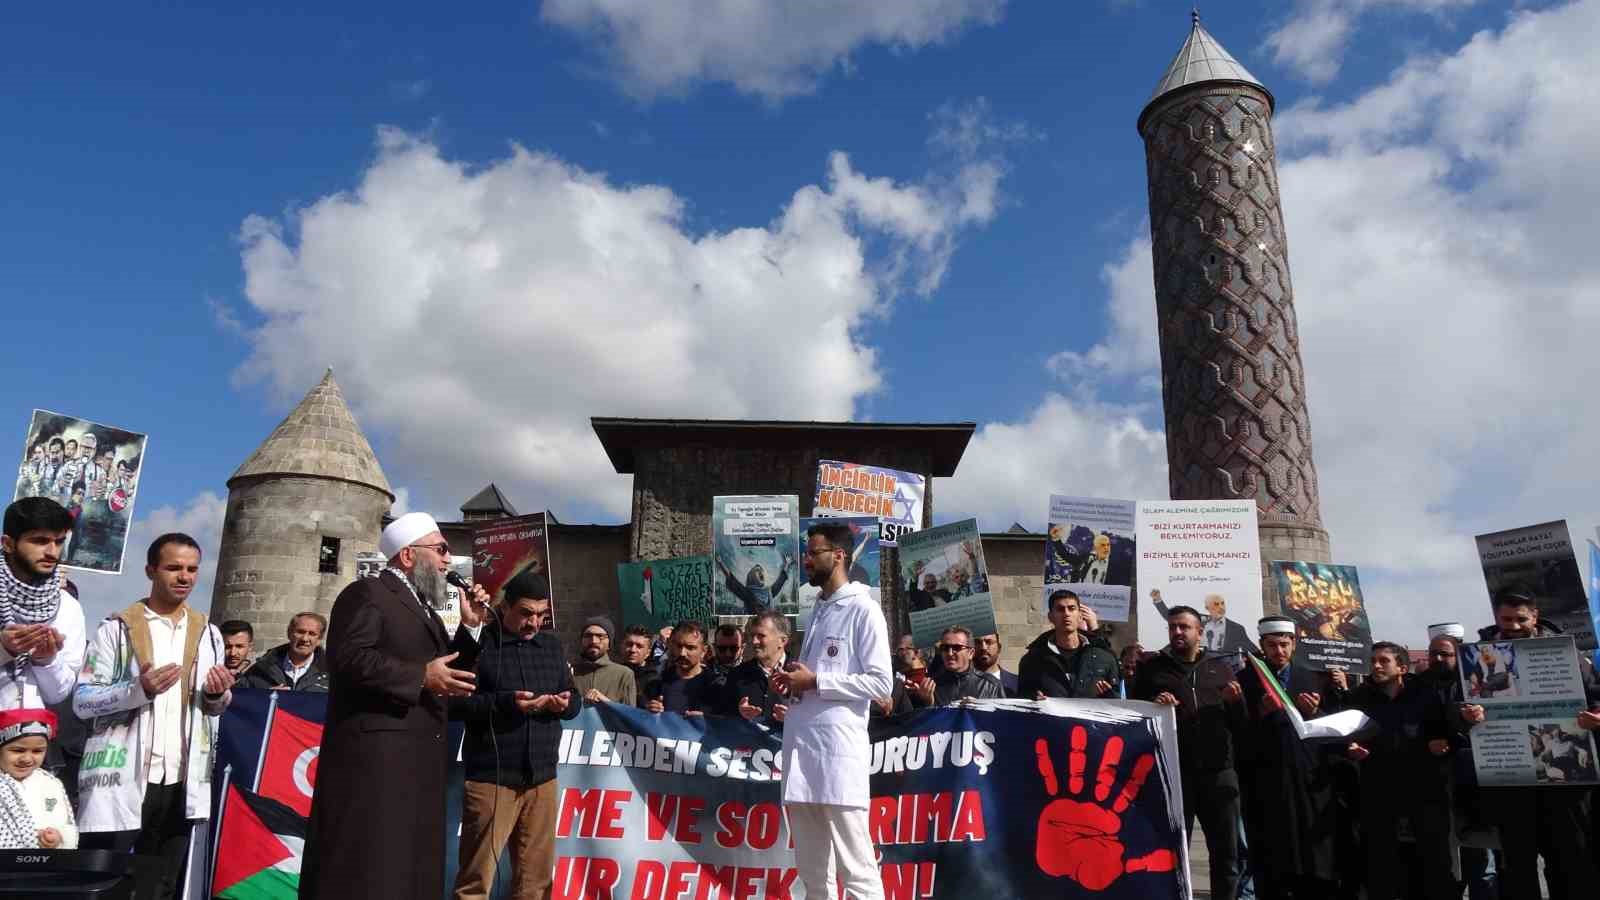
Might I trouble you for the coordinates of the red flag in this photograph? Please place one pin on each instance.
(289, 771)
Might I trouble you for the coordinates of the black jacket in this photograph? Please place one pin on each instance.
(1205, 722)
(268, 672)
(680, 695)
(948, 687)
(1045, 669)
(504, 745)
(647, 681)
(1400, 764)
(748, 682)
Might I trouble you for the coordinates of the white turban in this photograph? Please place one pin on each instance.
(405, 531)
(1275, 625)
(1447, 629)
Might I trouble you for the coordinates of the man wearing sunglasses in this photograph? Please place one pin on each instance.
(956, 680)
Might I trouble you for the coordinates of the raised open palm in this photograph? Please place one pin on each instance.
(1080, 839)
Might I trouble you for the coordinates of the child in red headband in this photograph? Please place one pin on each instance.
(34, 811)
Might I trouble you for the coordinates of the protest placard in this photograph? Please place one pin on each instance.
(1531, 691)
(658, 593)
(1204, 554)
(1089, 550)
(864, 560)
(92, 470)
(945, 581)
(853, 489)
(753, 551)
(502, 549)
(1539, 559)
(1329, 613)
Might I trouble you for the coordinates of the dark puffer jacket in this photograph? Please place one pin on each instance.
(268, 672)
(1046, 669)
(1206, 722)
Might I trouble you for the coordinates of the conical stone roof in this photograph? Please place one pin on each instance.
(1201, 59)
(319, 438)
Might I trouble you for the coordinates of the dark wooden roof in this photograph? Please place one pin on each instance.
(945, 441)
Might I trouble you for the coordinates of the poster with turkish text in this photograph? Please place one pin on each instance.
(853, 489)
(502, 549)
(1206, 555)
(753, 544)
(945, 581)
(1540, 559)
(864, 560)
(657, 593)
(1531, 692)
(93, 471)
(1332, 630)
(1089, 550)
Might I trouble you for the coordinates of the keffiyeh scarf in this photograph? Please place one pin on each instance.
(26, 604)
(17, 831)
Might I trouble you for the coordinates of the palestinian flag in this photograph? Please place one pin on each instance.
(258, 849)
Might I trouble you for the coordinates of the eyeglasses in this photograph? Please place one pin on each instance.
(595, 635)
(441, 548)
(822, 551)
(953, 648)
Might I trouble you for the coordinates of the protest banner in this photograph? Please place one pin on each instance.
(1539, 559)
(944, 579)
(505, 548)
(1330, 616)
(1531, 691)
(1089, 550)
(999, 799)
(864, 560)
(370, 564)
(753, 551)
(93, 471)
(1204, 554)
(853, 489)
(658, 593)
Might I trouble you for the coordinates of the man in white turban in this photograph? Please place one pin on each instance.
(378, 815)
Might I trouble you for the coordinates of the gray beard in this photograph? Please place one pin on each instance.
(430, 586)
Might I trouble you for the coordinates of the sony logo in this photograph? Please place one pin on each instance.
(37, 858)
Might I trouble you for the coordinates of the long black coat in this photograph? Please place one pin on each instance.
(377, 817)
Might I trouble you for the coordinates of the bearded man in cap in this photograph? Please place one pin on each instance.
(377, 818)
(1287, 784)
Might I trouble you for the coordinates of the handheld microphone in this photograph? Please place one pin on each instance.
(456, 581)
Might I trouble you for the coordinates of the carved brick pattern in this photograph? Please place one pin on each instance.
(1232, 381)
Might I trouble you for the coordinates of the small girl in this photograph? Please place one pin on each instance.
(34, 810)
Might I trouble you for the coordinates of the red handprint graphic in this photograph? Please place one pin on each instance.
(1079, 839)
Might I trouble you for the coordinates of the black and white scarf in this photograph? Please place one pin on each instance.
(26, 604)
(16, 823)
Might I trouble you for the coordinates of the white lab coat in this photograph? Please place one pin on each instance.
(825, 747)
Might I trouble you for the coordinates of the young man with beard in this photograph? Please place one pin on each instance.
(524, 690)
(153, 687)
(297, 665)
(686, 688)
(843, 666)
(748, 692)
(986, 662)
(955, 680)
(637, 643)
(378, 813)
(238, 638)
(598, 678)
(41, 623)
(1444, 678)
(1061, 662)
(1404, 776)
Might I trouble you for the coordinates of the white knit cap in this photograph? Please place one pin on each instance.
(404, 531)
(1447, 629)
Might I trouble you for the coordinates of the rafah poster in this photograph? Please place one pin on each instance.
(1531, 692)
(853, 489)
(753, 546)
(864, 560)
(1332, 630)
(505, 548)
(1206, 555)
(945, 581)
(1000, 799)
(1539, 559)
(1089, 550)
(93, 471)
(657, 593)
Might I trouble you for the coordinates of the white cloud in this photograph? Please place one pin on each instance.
(1313, 39)
(1130, 347)
(770, 48)
(200, 518)
(477, 315)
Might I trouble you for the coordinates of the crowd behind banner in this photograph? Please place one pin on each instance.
(1316, 761)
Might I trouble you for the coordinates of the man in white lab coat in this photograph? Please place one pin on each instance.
(843, 666)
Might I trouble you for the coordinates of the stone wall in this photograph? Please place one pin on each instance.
(267, 569)
(583, 563)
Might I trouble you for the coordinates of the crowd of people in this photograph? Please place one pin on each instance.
(1392, 812)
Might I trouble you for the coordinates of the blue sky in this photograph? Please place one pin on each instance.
(212, 207)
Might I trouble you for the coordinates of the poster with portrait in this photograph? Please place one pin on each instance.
(864, 560)
(1089, 549)
(1332, 630)
(754, 567)
(1531, 692)
(945, 581)
(657, 593)
(92, 470)
(1540, 559)
(1206, 555)
(854, 489)
(370, 564)
(502, 549)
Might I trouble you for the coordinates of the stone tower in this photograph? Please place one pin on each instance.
(301, 507)
(1231, 379)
